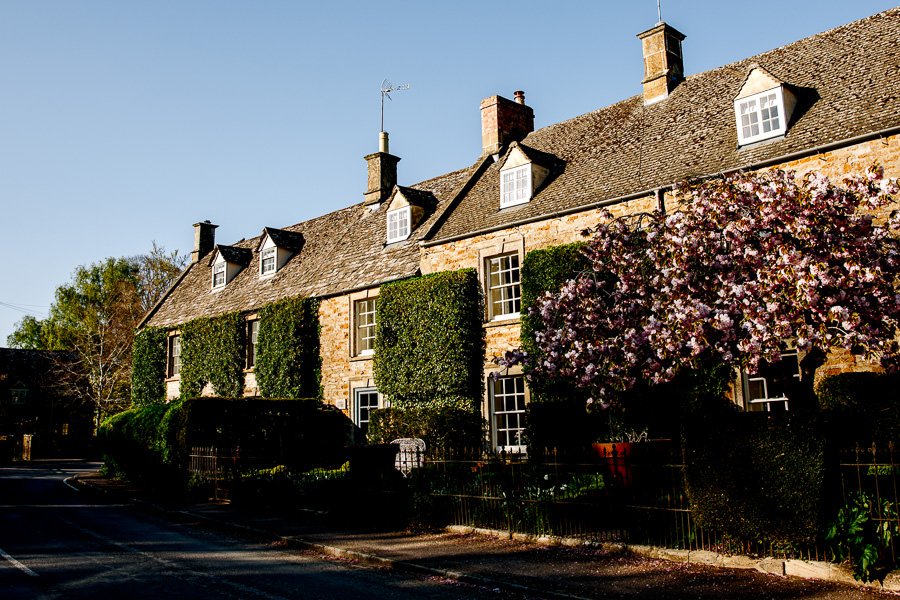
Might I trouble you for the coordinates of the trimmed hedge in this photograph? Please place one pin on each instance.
(288, 364)
(212, 351)
(430, 340)
(148, 370)
(755, 480)
(152, 443)
(132, 446)
(861, 407)
(442, 424)
(297, 433)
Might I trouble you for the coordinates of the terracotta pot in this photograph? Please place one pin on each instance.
(617, 457)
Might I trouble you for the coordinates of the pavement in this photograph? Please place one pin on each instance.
(517, 567)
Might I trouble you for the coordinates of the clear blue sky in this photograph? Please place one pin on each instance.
(125, 122)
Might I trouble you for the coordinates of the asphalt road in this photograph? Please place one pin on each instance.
(56, 542)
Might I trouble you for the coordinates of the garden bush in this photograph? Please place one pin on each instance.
(753, 479)
(442, 424)
(131, 445)
(861, 407)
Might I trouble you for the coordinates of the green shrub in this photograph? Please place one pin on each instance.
(148, 370)
(442, 424)
(856, 536)
(861, 407)
(755, 480)
(430, 340)
(131, 446)
(212, 351)
(298, 433)
(288, 363)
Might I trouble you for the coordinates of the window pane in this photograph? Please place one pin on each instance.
(508, 407)
(364, 325)
(503, 285)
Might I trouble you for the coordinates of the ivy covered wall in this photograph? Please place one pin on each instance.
(288, 363)
(148, 367)
(212, 351)
(429, 343)
(545, 270)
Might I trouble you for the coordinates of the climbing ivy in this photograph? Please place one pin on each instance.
(429, 341)
(148, 367)
(212, 352)
(288, 364)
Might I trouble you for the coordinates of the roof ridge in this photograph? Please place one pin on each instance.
(727, 66)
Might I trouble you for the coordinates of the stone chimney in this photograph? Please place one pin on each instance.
(204, 240)
(504, 121)
(663, 62)
(382, 172)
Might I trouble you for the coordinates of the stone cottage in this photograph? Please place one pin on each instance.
(830, 103)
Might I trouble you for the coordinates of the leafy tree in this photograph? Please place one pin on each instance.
(94, 318)
(157, 270)
(745, 263)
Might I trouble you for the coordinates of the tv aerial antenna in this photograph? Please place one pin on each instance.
(658, 11)
(387, 88)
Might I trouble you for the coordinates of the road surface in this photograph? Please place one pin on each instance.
(56, 542)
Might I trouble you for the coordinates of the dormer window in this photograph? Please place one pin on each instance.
(763, 107)
(267, 263)
(276, 247)
(522, 172)
(761, 116)
(218, 275)
(398, 224)
(226, 263)
(515, 185)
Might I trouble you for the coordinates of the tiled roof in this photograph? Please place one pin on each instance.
(847, 81)
(235, 254)
(289, 240)
(341, 251)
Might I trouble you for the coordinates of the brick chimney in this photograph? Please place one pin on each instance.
(504, 121)
(204, 240)
(382, 172)
(663, 62)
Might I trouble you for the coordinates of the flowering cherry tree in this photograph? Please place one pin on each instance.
(743, 265)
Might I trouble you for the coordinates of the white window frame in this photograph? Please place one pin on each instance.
(515, 185)
(750, 109)
(360, 323)
(173, 356)
(398, 224)
(252, 344)
(765, 402)
(504, 278)
(362, 415)
(266, 254)
(507, 423)
(219, 268)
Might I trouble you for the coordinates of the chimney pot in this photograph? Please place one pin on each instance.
(504, 121)
(382, 168)
(204, 240)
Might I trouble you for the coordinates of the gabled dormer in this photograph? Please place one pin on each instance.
(407, 208)
(276, 247)
(763, 107)
(522, 172)
(226, 262)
